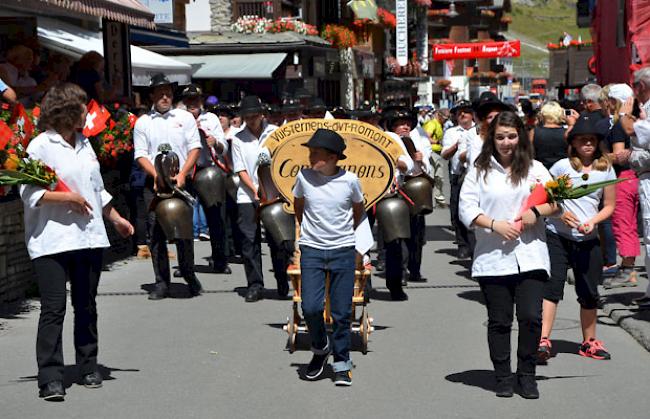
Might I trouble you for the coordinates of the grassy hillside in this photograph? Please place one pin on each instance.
(538, 22)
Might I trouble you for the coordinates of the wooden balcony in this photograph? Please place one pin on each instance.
(270, 9)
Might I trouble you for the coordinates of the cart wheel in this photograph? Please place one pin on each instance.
(292, 330)
(364, 331)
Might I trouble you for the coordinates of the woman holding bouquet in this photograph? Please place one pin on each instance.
(65, 237)
(511, 265)
(573, 237)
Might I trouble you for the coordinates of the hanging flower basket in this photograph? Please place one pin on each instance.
(250, 24)
(339, 36)
(386, 18)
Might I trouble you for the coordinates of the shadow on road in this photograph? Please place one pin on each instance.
(176, 290)
(485, 378)
(71, 374)
(328, 372)
(473, 295)
(439, 234)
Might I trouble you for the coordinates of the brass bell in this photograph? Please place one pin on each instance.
(232, 184)
(277, 222)
(393, 218)
(420, 191)
(175, 218)
(210, 185)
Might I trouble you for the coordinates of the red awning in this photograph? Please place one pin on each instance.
(130, 12)
(476, 50)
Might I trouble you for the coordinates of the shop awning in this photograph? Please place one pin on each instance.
(234, 66)
(131, 12)
(74, 42)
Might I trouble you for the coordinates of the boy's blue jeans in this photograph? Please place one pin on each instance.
(340, 263)
(199, 221)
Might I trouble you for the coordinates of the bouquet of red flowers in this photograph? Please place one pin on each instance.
(116, 139)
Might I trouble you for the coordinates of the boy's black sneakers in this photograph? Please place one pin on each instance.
(343, 378)
(316, 366)
(52, 391)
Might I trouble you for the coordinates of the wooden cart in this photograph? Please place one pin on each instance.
(361, 325)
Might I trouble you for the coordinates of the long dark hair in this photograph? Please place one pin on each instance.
(523, 155)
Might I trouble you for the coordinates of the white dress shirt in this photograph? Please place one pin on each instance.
(474, 147)
(176, 127)
(452, 136)
(405, 157)
(55, 228)
(498, 199)
(245, 154)
(210, 123)
(423, 145)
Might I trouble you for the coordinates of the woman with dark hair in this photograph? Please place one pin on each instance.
(77, 216)
(573, 237)
(511, 260)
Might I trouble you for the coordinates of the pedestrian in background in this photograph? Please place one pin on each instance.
(511, 266)
(572, 238)
(548, 140)
(77, 217)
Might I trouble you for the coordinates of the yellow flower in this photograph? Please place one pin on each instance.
(552, 184)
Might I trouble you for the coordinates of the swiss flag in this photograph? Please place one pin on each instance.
(6, 134)
(96, 119)
(25, 126)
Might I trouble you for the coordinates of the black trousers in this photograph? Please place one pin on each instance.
(394, 264)
(159, 252)
(234, 236)
(281, 253)
(216, 225)
(82, 268)
(501, 294)
(462, 233)
(415, 244)
(138, 214)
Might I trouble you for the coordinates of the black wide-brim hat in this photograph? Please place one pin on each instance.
(365, 110)
(462, 105)
(159, 79)
(585, 126)
(329, 140)
(291, 105)
(393, 113)
(251, 105)
(487, 103)
(222, 109)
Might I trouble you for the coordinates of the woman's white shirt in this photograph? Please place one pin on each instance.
(495, 197)
(584, 208)
(55, 228)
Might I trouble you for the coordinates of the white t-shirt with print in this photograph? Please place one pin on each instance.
(327, 221)
(584, 208)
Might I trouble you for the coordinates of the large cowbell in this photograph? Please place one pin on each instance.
(420, 191)
(393, 218)
(277, 222)
(175, 217)
(210, 184)
(232, 184)
(167, 166)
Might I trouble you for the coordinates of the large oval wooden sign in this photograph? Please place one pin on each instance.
(371, 155)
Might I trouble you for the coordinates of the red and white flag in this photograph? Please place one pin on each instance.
(20, 119)
(95, 119)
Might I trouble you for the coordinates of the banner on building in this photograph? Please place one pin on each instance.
(476, 50)
(401, 32)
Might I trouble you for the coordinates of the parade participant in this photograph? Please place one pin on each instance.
(329, 206)
(548, 140)
(245, 154)
(215, 145)
(486, 109)
(454, 143)
(399, 122)
(291, 109)
(176, 127)
(434, 128)
(368, 113)
(572, 239)
(274, 115)
(510, 265)
(76, 216)
(618, 143)
(236, 120)
(316, 108)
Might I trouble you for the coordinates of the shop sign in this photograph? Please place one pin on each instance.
(475, 50)
(117, 55)
(371, 155)
(401, 32)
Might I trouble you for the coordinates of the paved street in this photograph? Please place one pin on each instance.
(216, 356)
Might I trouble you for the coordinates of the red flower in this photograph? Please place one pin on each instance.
(5, 106)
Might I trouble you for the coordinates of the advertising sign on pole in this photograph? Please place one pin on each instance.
(476, 50)
(401, 32)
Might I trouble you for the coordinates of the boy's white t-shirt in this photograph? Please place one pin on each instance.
(327, 221)
(584, 208)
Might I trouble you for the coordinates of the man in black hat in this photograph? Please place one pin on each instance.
(368, 113)
(486, 108)
(274, 114)
(454, 145)
(291, 109)
(176, 127)
(316, 108)
(214, 146)
(245, 153)
(329, 206)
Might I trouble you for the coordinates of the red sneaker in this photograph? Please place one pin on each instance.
(544, 350)
(593, 348)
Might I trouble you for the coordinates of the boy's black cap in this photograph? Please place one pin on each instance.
(192, 90)
(329, 140)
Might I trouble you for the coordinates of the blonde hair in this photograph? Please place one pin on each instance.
(601, 162)
(552, 113)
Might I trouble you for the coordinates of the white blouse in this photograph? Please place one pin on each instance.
(498, 199)
(55, 228)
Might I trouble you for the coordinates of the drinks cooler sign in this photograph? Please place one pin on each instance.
(477, 50)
